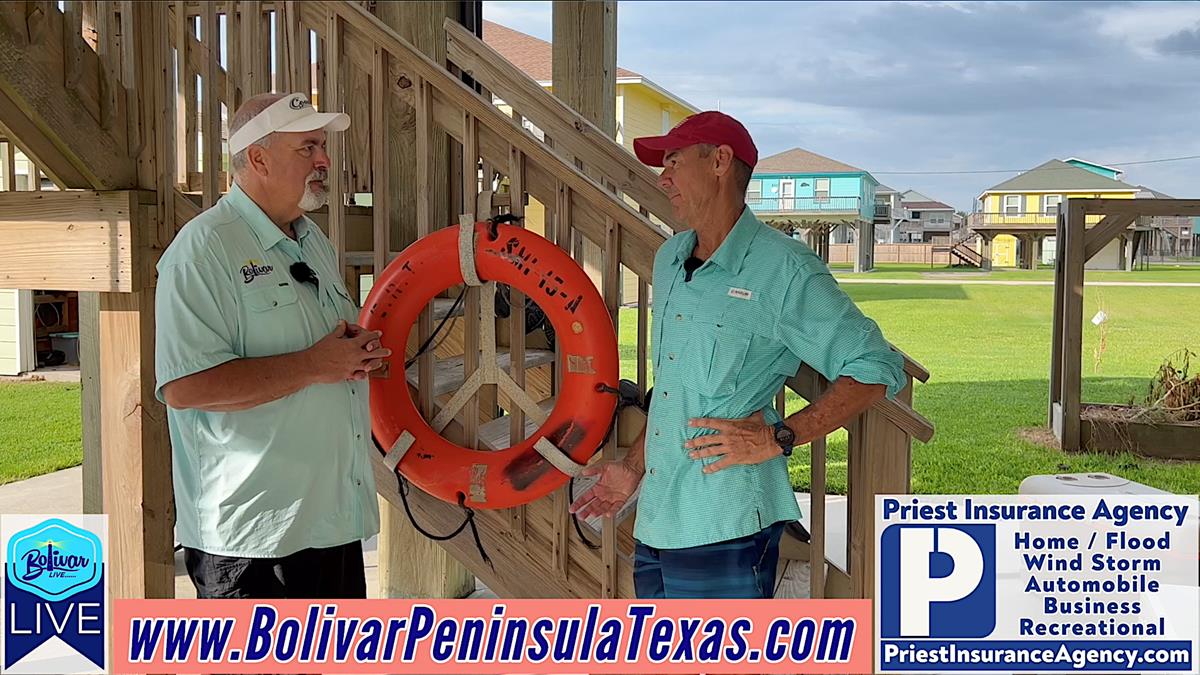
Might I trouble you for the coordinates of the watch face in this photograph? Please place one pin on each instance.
(785, 435)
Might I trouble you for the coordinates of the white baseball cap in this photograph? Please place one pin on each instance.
(289, 114)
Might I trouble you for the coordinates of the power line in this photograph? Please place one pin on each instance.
(1060, 168)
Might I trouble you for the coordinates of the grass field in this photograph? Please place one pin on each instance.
(1157, 272)
(39, 429)
(988, 349)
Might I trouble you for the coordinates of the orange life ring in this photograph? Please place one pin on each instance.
(587, 343)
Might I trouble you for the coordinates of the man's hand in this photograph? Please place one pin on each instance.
(348, 353)
(746, 441)
(617, 483)
(354, 330)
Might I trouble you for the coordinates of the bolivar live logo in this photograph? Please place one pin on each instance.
(54, 594)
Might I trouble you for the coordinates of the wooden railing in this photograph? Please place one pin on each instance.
(592, 189)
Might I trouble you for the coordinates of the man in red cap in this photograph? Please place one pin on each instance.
(738, 306)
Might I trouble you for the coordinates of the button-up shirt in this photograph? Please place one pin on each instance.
(724, 342)
(286, 475)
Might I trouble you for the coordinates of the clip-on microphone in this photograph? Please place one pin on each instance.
(304, 274)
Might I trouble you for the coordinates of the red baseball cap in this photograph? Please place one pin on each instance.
(710, 126)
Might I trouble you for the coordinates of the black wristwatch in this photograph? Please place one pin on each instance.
(785, 437)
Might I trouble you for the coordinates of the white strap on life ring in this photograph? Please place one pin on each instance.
(557, 457)
(400, 448)
(466, 250)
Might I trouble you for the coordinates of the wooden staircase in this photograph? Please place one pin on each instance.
(962, 251)
(63, 103)
(591, 188)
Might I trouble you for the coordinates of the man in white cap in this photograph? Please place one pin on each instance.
(263, 373)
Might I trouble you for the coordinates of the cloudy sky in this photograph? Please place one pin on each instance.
(931, 87)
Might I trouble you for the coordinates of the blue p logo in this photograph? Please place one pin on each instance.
(938, 581)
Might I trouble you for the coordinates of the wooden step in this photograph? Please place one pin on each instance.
(494, 435)
(442, 307)
(448, 373)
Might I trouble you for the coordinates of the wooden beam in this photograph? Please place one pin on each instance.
(1098, 236)
(1141, 207)
(84, 241)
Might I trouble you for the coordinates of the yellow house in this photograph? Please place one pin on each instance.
(1017, 218)
(643, 107)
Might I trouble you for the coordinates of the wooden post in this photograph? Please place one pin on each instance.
(333, 103)
(584, 76)
(1056, 341)
(879, 456)
(985, 252)
(1072, 325)
(864, 261)
(421, 24)
(212, 108)
(89, 385)
(134, 440)
(410, 565)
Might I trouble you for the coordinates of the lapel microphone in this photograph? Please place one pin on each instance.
(304, 274)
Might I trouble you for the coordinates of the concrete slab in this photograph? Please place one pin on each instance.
(52, 374)
(58, 492)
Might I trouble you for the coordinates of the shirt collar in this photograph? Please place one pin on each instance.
(730, 254)
(264, 229)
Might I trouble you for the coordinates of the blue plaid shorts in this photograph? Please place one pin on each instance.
(734, 569)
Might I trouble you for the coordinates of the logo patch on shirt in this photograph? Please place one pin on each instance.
(740, 293)
(252, 269)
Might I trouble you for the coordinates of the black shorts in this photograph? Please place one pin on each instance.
(314, 573)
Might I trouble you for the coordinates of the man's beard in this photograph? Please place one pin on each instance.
(314, 199)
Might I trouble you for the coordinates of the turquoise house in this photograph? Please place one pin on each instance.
(798, 188)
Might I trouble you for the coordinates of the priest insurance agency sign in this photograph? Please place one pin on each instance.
(1036, 583)
(55, 593)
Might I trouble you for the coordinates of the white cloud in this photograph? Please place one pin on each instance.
(1142, 25)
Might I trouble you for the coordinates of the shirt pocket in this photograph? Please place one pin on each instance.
(714, 354)
(269, 298)
(275, 322)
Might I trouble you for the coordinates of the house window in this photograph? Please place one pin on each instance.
(754, 192)
(916, 215)
(821, 190)
(1012, 205)
(1050, 204)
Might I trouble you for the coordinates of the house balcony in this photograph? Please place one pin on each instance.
(883, 213)
(1020, 222)
(835, 209)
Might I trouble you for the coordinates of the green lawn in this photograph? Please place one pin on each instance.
(988, 349)
(39, 429)
(1157, 272)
